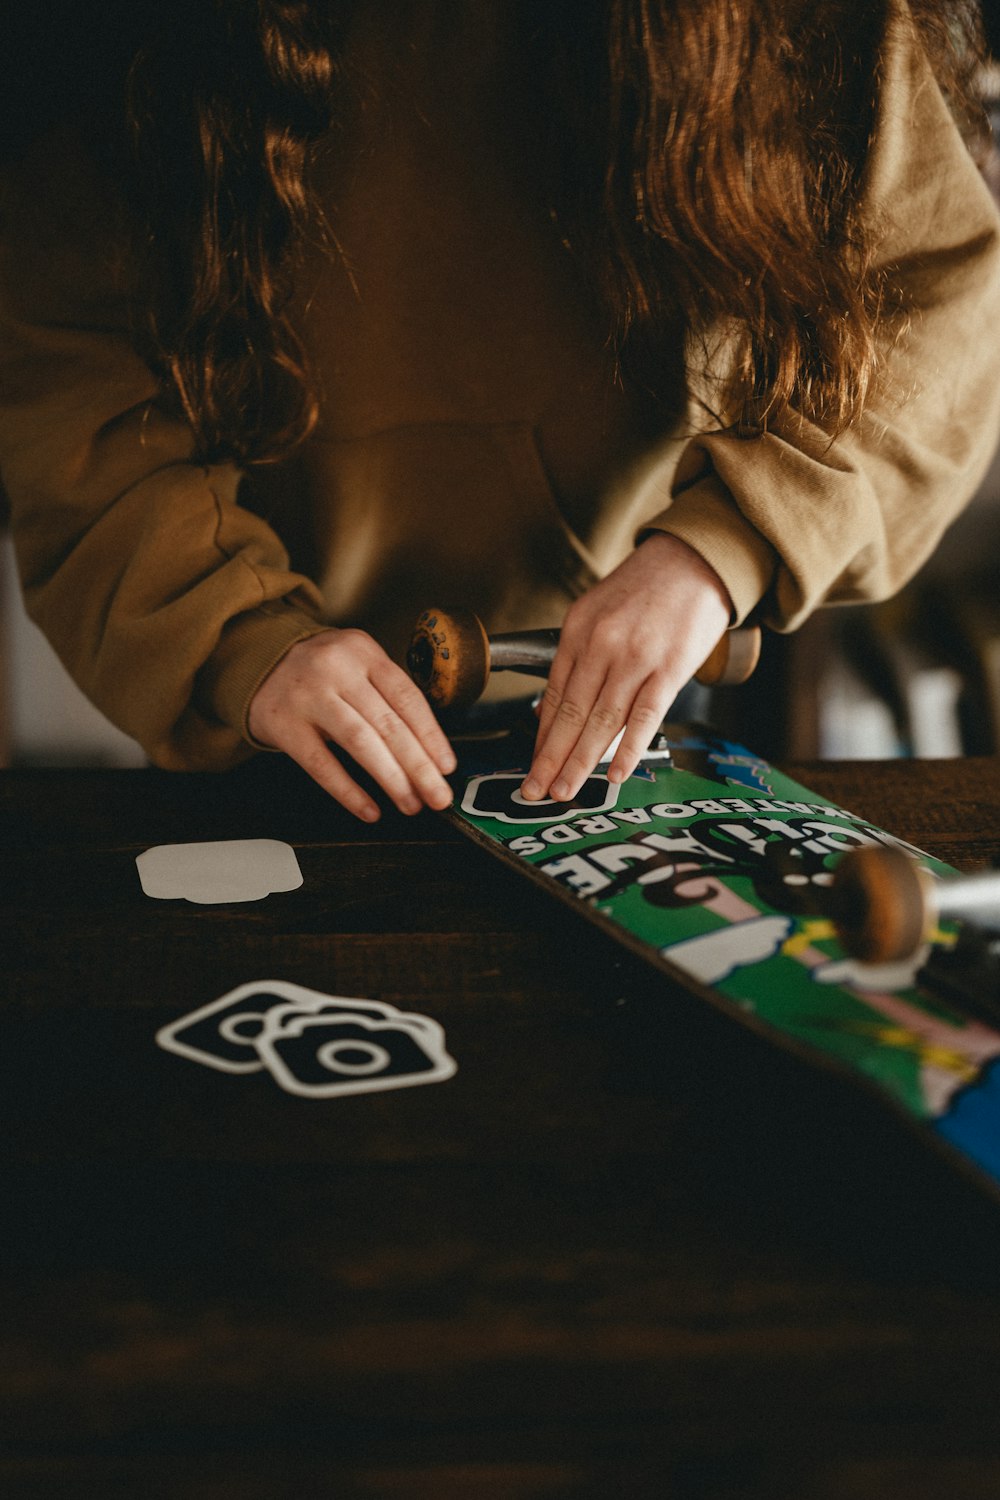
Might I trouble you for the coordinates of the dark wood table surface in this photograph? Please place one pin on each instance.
(627, 1250)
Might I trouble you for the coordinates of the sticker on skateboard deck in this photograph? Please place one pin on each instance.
(717, 868)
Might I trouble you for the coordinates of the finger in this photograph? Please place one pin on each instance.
(380, 741)
(314, 756)
(569, 721)
(606, 720)
(560, 672)
(403, 695)
(644, 719)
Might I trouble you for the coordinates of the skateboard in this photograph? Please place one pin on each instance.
(793, 916)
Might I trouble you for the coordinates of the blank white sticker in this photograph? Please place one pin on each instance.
(223, 870)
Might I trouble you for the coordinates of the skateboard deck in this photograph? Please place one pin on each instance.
(714, 867)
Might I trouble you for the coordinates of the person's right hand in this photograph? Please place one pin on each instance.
(341, 687)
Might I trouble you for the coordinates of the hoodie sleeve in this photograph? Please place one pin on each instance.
(166, 599)
(791, 520)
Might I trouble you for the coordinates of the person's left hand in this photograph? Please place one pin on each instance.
(627, 648)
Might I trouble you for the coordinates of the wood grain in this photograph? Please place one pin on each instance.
(628, 1249)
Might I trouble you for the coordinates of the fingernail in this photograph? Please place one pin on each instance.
(370, 814)
(616, 775)
(561, 791)
(531, 789)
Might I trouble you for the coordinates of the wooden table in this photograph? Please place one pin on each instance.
(627, 1250)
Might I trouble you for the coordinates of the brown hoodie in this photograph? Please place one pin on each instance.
(475, 445)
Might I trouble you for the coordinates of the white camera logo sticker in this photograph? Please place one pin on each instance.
(314, 1045)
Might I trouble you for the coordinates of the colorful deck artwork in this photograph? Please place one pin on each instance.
(715, 866)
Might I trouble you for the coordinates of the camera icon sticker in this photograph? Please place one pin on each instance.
(313, 1045)
(320, 1056)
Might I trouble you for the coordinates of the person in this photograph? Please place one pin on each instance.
(639, 317)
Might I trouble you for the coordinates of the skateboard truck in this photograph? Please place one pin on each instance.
(451, 656)
(885, 905)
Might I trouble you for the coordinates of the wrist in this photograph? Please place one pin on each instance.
(681, 557)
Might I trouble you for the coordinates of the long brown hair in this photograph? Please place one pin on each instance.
(224, 100)
(738, 136)
(717, 183)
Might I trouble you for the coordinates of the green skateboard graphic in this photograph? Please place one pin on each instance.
(716, 868)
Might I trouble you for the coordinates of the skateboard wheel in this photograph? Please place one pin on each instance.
(734, 659)
(880, 904)
(449, 657)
